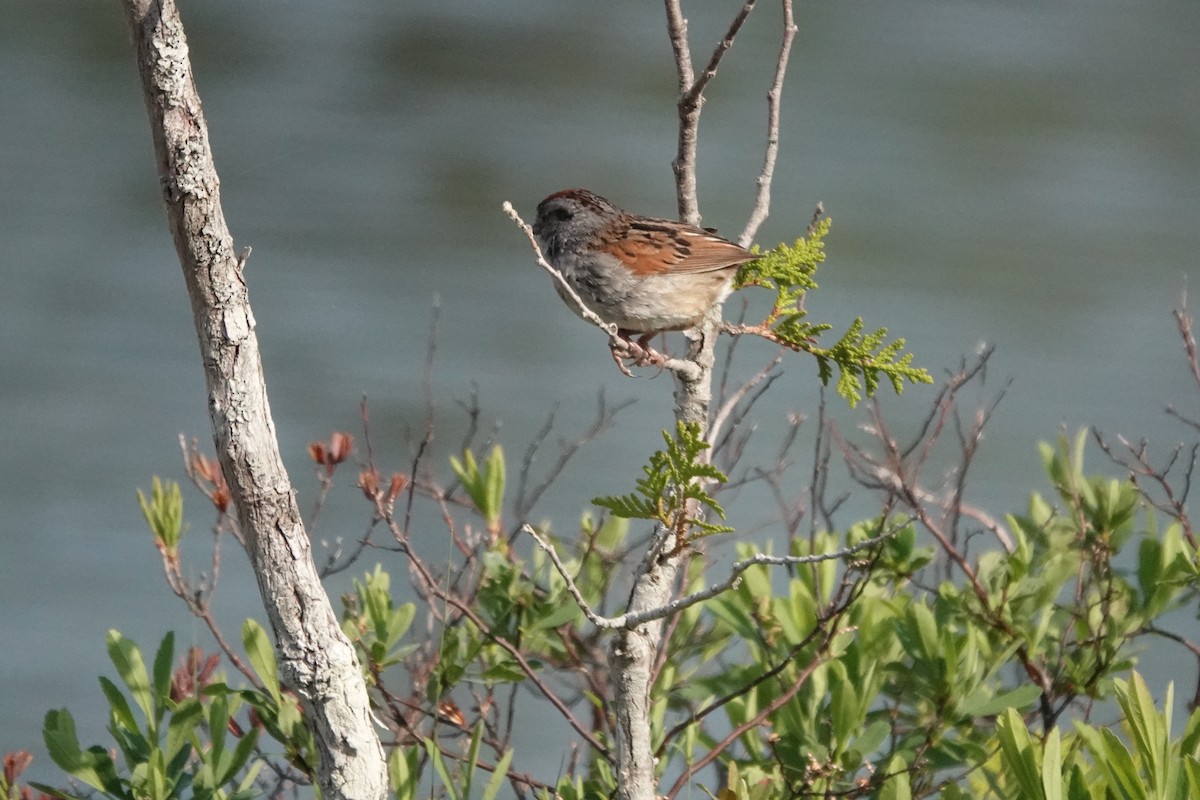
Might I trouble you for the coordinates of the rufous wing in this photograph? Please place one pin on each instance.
(655, 247)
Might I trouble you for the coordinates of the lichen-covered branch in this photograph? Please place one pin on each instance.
(315, 659)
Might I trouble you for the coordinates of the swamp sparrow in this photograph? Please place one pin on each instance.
(643, 274)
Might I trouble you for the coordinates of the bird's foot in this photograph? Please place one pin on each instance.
(639, 353)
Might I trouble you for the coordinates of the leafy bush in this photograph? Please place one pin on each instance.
(901, 670)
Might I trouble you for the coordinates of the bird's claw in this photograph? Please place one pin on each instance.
(639, 352)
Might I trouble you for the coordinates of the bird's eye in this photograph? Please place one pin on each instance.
(562, 214)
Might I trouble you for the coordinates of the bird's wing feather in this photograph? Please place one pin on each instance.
(691, 249)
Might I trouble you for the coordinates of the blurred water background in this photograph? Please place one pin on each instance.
(1016, 173)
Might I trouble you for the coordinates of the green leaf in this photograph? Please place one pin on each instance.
(467, 470)
(494, 486)
(1080, 788)
(404, 775)
(499, 776)
(472, 759)
(1115, 760)
(1019, 697)
(926, 629)
(1189, 743)
(218, 727)
(182, 725)
(845, 708)
(163, 512)
(246, 789)
(899, 785)
(506, 671)
(1192, 770)
(242, 752)
(861, 359)
(1121, 767)
(262, 657)
(612, 533)
(93, 767)
(1150, 731)
(127, 658)
(162, 674)
(790, 268)
(439, 765)
(558, 615)
(872, 737)
(628, 506)
(154, 784)
(485, 487)
(122, 714)
(1052, 780)
(1018, 755)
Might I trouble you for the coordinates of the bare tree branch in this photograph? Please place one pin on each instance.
(691, 100)
(727, 408)
(633, 650)
(427, 582)
(710, 72)
(561, 282)
(684, 164)
(762, 200)
(528, 498)
(631, 619)
(1155, 482)
(829, 627)
(1183, 320)
(315, 659)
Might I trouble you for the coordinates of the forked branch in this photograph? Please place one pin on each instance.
(632, 620)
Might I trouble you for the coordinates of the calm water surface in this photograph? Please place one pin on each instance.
(1008, 173)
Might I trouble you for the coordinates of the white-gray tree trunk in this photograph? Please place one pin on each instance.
(316, 660)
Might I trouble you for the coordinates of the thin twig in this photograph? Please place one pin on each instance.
(562, 283)
(842, 604)
(1141, 471)
(762, 200)
(684, 164)
(527, 499)
(710, 72)
(432, 586)
(719, 419)
(740, 691)
(633, 620)
(1183, 320)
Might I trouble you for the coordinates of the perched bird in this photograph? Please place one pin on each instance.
(644, 274)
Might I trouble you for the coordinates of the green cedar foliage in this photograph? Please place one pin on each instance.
(861, 358)
(676, 482)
